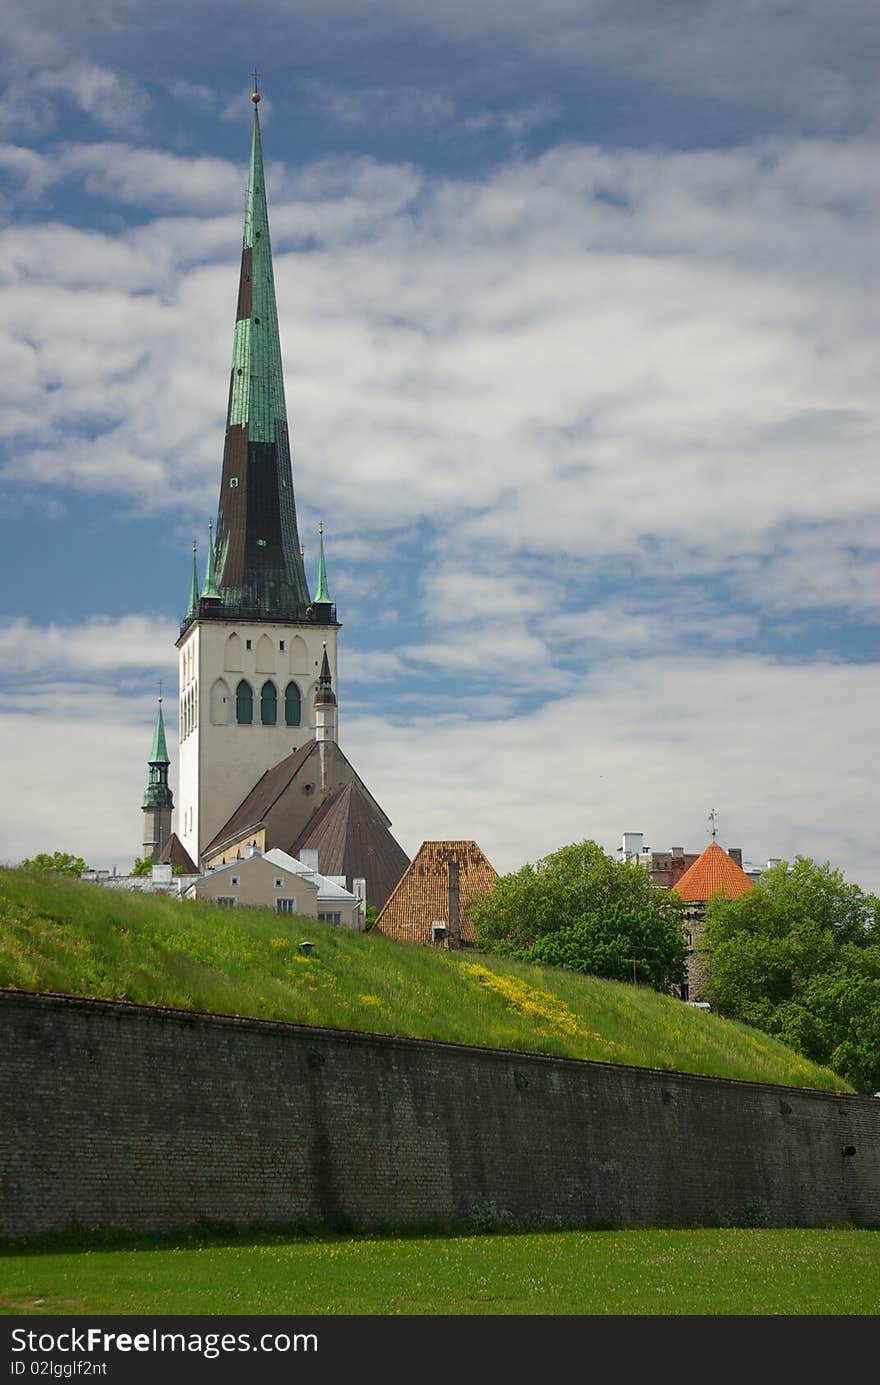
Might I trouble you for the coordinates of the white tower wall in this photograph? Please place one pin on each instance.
(221, 760)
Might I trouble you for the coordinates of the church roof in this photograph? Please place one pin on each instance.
(421, 896)
(175, 854)
(266, 792)
(712, 871)
(352, 839)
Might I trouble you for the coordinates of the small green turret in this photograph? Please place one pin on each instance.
(322, 595)
(158, 803)
(193, 609)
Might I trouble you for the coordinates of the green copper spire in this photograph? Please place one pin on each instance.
(259, 567)
(322, 594)
(158, 794)
(210, 588)
(193, 608)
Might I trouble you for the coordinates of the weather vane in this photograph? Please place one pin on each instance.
(713, 816)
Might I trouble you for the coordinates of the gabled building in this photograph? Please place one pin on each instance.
(429, 904)
(279, 882)
(714, 871)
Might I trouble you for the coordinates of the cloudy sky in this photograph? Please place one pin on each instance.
(580, 316)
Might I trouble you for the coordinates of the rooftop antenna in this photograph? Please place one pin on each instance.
(713, 818)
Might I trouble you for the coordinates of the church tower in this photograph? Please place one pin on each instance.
(252, 643)
(157, 802)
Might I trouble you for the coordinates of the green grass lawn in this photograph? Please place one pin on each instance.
(82, 939)
(642, 1272)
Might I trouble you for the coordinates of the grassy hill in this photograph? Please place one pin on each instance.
(82, 939)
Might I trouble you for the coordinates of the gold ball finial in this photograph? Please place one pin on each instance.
(255, 95)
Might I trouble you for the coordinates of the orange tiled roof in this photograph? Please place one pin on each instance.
(421, 895)
(712, 871)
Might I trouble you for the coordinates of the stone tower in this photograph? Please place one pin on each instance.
(252, 642)
(157, 803)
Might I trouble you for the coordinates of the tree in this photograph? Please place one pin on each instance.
(59, 863)
(144, 864)
(623, 944)
(799, 956)
(579, 908)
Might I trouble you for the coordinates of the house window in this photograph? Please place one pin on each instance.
(281, 645)
(236, 880)
(292, 705)
(226, 901)
(268, 703)
(331, 918)
(279, 884)
(247, 644)
(244, 704)
(286, 906)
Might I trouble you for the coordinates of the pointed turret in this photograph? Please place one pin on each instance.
(325, 704)
(210, 594)
(322, 603)
(193, 608)
(259, 568)
(157, 802)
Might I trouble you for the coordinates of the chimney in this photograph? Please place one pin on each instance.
(735, 854)
(309, 858)
(453, 914)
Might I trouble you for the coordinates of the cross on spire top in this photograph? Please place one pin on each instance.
(255, 96)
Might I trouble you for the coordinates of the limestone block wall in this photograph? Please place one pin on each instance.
(120, 1115)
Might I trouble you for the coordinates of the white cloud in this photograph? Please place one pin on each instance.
(353, 107)
(97, 646)
(644, 745)
(664, 358)
(648, 744)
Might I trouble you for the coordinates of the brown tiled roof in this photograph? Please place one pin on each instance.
(267, 790)
(351, 838)
(175, 855)
(712, 871)
(421, 896)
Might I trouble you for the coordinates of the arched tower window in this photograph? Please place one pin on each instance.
(233, 653)
(292, 705)
(265, 655)
(268, 703)
(220, 703)
(244, 703)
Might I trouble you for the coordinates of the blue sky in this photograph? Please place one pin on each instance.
(579, 315)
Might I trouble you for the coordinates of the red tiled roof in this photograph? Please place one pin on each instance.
(351, 837)
(175, 854)
(421, 896)
(712, 871)
(267, 790)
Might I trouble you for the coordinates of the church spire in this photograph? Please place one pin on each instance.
(259, 568)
